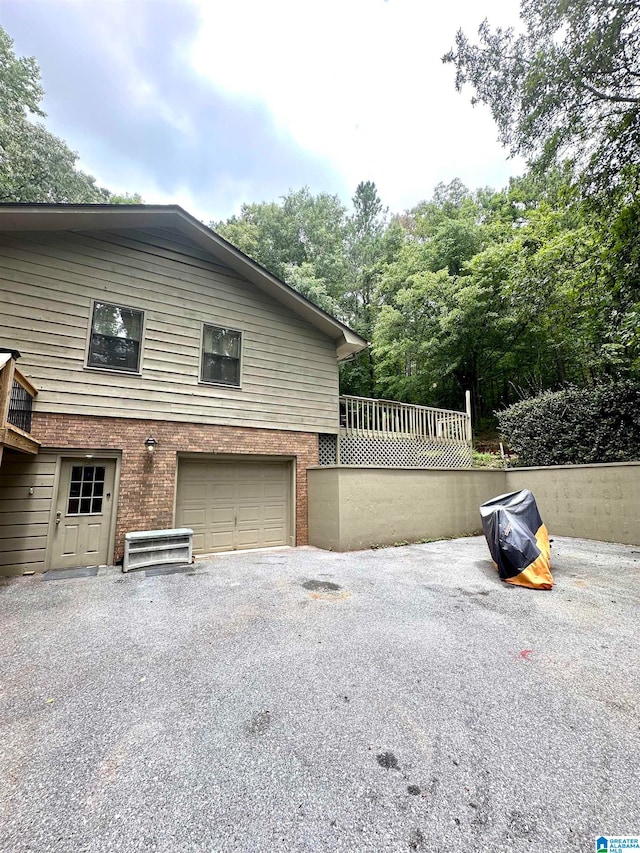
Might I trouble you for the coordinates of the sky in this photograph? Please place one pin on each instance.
(212, 103)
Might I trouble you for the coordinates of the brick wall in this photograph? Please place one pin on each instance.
(147, 484)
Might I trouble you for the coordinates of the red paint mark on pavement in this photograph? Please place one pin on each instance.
(524, 654)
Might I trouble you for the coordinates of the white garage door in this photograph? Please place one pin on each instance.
(231, 505)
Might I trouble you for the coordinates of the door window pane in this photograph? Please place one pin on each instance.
(86, 489)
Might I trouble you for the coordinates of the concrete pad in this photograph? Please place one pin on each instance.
(249, 705)
(66, 574)
(169, 569)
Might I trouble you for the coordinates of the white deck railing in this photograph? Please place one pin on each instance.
(365, 418)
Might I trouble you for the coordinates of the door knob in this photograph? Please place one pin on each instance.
(58, 514)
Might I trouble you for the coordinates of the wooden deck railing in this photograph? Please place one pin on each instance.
(16, 405)
(360, 416)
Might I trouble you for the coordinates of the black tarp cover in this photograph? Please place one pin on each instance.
(518, 540)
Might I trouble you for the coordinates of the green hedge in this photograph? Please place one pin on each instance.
(576, 425)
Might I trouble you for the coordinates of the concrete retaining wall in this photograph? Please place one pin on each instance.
(589, 501)
(352, 508)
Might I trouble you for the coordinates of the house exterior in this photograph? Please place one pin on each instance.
(138, 329)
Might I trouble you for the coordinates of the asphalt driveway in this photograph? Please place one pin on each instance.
(248, 705)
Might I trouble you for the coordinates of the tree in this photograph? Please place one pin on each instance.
(125, 198)
(407, 334)
(568, 86)
(333, 257)
(35, 165)
(505, 294)
(451, 223)
(258, 232)
(433, 318)
(303, 231)
(20, 89)
(364, 251)
(438, 335)
(304, 279)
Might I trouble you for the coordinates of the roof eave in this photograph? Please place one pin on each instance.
(62, 217)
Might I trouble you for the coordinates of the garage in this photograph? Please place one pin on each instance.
(231, 504)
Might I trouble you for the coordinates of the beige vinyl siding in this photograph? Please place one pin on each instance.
(49, 282)
(24, 518)
(165, 243)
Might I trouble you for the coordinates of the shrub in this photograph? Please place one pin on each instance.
(577, 425)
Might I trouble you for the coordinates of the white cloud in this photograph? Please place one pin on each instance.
(360, 83)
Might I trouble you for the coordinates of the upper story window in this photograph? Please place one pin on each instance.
(116, 336)
(221, 350)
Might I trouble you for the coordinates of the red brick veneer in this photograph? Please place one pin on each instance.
(147, 484)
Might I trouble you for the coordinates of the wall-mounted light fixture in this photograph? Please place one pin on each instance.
(151, 444)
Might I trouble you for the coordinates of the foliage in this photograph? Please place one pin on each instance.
(21, 89)
(568, 86)
(366, 247)
(509, 293)
(305, 281)
(487, 460)
(406, 338)
(304, 231)
(600, 423)
(451, 225)
(35, 165)
(444, 322)
(125, 198)
(504, 293)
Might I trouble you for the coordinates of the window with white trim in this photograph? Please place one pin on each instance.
(221, 349)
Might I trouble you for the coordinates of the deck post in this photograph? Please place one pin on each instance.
(467, 399)
(6, 384)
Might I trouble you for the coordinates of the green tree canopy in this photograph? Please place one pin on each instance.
(567, 86)
(35, 165)
(330, 255)
(302, 231)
